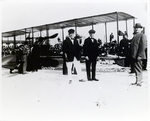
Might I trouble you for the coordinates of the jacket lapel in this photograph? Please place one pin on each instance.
(69, 41)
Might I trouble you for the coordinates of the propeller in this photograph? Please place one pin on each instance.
(120, 33)
(52, 36)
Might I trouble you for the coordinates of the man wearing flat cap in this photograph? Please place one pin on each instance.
(71, 51)
(138, 46)
(90, 51)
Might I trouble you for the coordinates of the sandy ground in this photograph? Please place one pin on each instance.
(47, 95)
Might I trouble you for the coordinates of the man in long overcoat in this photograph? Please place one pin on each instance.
(138, 46)
(35, 56)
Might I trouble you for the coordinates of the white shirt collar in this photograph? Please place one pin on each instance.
(71, 40)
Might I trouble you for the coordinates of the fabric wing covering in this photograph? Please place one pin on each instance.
(78, 22)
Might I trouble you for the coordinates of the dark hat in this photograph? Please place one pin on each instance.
(138, 25)
(120, 33)
(71, 31)
(92, 31)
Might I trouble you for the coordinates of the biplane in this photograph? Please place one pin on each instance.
(76, 23)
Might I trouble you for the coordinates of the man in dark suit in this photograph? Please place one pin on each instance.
(125, 49)
(71, 51)
(90, 51)
(138, 46)
(35, 56)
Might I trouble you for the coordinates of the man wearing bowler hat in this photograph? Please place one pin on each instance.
(138, 46)
(90, 51)
(71, 51)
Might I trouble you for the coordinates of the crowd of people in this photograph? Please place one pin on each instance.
(7, 50)
(21, 53)
(134, 51)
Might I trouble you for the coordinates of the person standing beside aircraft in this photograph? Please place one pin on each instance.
(71, 51)
(90, 51)
(125, 49)
(35, 56)
(138, 46)
(24, 51)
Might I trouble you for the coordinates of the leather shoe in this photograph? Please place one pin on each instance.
(95, 79)
(81, 80)
(11, 71)
(133, 83)
(138, 85)
(131, 72)
(90, 79)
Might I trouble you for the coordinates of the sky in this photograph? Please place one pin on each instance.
(19, 15)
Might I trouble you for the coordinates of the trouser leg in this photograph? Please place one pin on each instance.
(138, 71)
(88, 63)
(93, 69)
(65, 71)
(20, 70)
(24, 64)
(145, 61)
(69, 68)
(144, 64)
(77, 65)
(132, 65)
(127, 62)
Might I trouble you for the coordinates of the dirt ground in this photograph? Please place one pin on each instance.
(47, 95)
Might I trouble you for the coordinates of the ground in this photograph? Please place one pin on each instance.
(47, 95)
